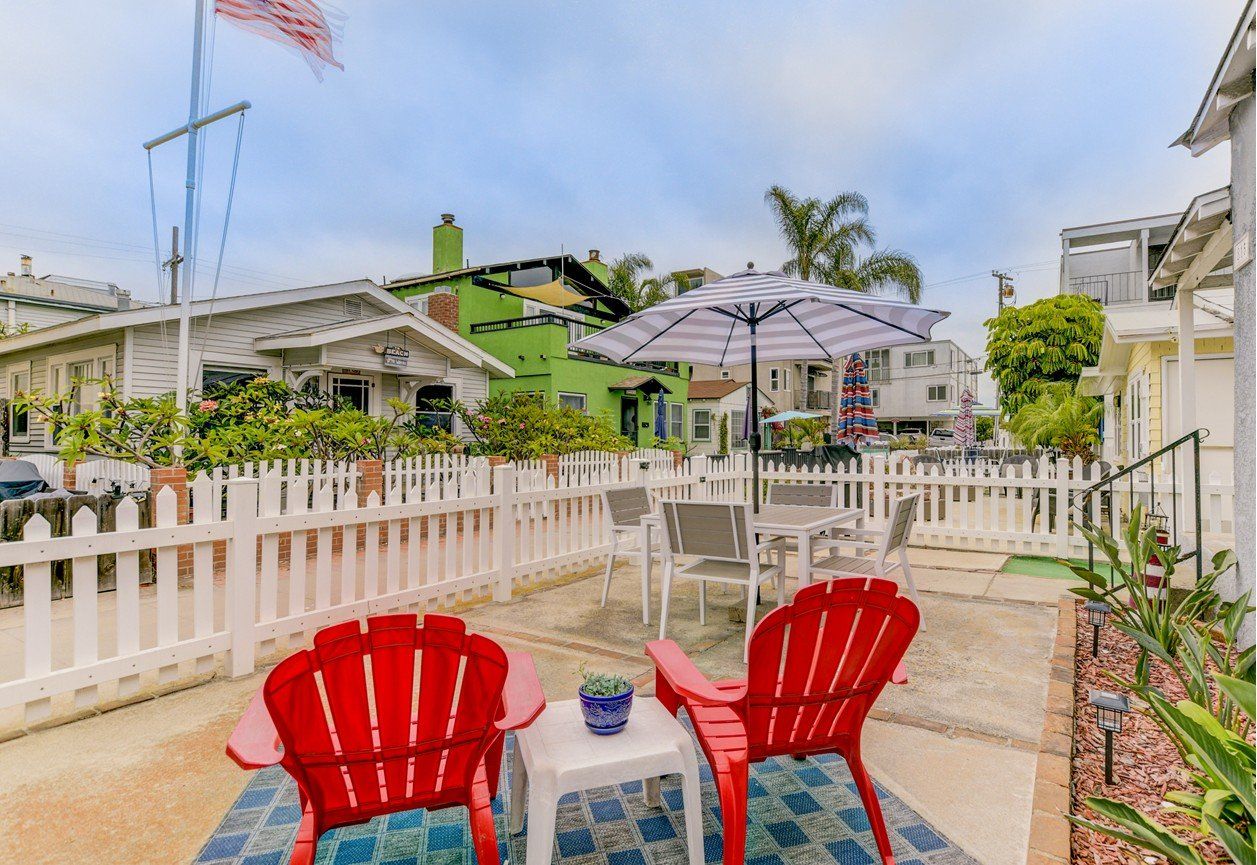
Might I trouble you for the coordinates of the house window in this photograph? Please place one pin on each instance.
(737, 420)
(785, 378)
(701, 425)
(878, 365)
(1136, 412)
(431, 408)
(937, 393)
(875, 397)
(774, 379)
(224, 376)
(577, 401)
(79, 374)
(918, 358)
(354, 390)
(19, 421)
(725, 375)
(676, 420)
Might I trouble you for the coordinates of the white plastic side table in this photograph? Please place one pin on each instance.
(557, 755)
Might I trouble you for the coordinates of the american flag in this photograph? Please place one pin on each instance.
(313, 31)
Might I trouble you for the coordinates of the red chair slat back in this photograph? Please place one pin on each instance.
(817, 664)
(352, 760)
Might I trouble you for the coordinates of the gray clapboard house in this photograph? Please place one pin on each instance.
(352, 339)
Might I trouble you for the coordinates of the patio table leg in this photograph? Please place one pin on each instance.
(805, 560)
(543, 805)
(519, 784)
(692, 800)
(648, 563)
(650, 790)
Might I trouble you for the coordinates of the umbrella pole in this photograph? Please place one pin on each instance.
(755, 427)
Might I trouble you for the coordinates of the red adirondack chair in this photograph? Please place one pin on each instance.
(841, 641)
(442, 749)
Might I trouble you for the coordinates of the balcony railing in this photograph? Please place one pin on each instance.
(1113, 288)
(575, 329)
(814, 399)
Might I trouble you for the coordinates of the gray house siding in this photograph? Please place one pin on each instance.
(229, 341)
(37, 315)
(40, 359)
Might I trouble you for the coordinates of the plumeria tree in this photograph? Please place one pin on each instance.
(522, 426)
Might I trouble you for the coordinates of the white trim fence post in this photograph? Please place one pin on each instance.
(504, 531)
(1063, 487)
(242, 574)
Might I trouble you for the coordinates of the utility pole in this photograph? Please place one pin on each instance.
(173, 264)
(1004, 291)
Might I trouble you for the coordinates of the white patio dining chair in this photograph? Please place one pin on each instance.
(624, 509)
(805, 495)
(720, 538)
(808, 495)
(874, 548)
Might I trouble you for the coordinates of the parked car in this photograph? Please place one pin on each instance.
(942, 438)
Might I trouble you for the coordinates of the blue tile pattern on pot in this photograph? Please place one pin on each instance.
(799, 811)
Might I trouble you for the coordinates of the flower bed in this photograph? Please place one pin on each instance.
(1145, 762)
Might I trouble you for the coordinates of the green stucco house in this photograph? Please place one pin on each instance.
(526, 313)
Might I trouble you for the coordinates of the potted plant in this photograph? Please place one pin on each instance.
(605, 701)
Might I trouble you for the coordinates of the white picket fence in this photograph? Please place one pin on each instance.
(302, 552)
(294, 478)
(95, 476)
(433, 475)
(581, 466)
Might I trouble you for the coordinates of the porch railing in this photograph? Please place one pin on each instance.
(1100, 502)
(1111, 288)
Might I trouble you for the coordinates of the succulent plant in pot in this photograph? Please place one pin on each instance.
(605, 701)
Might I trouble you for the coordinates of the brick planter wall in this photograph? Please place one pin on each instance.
(1049, 828)
(177, 479)
(69, 472)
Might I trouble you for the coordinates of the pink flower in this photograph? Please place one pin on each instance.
(521, 426)
(208, 405)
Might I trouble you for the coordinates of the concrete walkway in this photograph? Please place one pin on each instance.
(149, 782)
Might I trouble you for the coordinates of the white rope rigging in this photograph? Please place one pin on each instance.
(222, 240)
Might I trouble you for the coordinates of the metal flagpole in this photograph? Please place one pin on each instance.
(192, 129)
(189, 214)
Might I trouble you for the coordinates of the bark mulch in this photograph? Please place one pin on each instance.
(1145, 762)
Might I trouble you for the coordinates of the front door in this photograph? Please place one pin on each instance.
(628, 417)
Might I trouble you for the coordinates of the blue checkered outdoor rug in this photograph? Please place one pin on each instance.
(805, 812)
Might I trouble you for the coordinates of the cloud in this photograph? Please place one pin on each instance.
(976, 129)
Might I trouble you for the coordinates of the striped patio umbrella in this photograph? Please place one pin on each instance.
(855, 406)
(755, 316)
(965, 432)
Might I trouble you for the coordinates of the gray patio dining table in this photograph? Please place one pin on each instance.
(800, 523)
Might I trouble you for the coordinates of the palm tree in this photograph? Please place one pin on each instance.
(826, 238)
(1062, 419)
(628, 281)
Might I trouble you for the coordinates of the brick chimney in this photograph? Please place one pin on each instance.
(26, 265)
(595, 265)
(447, 245)
(443, 308)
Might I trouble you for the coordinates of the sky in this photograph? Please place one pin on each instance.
(977, 130)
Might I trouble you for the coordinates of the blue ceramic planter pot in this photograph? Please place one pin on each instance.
(606, 715)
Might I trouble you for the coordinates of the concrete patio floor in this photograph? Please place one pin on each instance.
(149, 782)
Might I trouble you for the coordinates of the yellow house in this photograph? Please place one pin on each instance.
(1137, 376)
